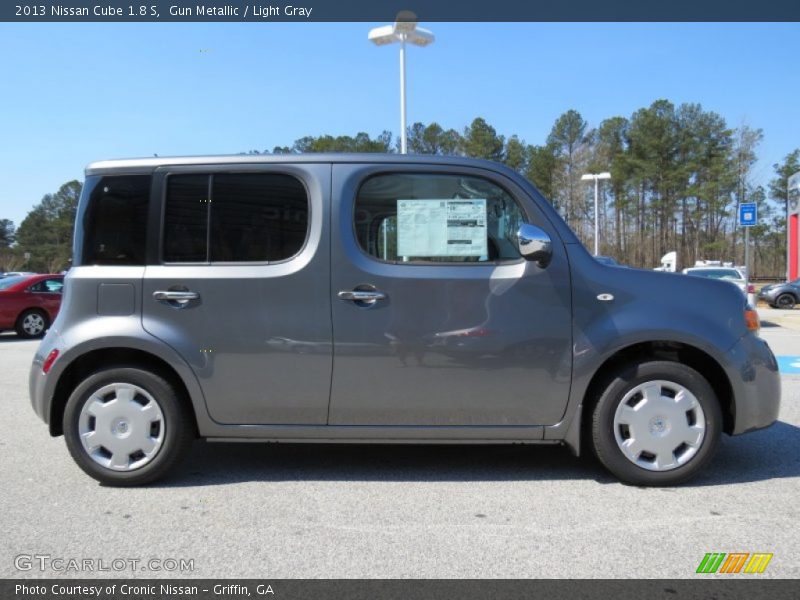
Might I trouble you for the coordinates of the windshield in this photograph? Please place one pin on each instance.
(7, 282)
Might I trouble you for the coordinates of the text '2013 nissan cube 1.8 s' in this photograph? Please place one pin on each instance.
(369, 298)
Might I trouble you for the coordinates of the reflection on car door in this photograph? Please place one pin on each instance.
(475, 343)
(242, 293)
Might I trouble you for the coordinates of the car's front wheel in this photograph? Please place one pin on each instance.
(656, 423)
(127, 426)
(785, 301)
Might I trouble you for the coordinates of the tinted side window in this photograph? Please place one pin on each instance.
(53, 286)
(115, 222)
(257, 217)
(186, 219)
(234, 217)
(436, 218)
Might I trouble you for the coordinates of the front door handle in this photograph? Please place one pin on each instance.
(362, 297)
(176, 298)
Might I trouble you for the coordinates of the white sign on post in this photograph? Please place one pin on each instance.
(441, 228)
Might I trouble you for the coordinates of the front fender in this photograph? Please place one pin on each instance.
(615, 308)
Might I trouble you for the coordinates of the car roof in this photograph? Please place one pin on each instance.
(147, 165)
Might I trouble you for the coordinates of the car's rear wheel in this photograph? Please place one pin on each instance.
(785, 301)
(656, 423)
(31, 324)
(126, 426)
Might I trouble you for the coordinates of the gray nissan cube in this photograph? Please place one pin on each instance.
(382, 299)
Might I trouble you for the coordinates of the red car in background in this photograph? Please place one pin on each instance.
(29, 303)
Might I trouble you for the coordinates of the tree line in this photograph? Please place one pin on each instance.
(678, 175)
(43, 241)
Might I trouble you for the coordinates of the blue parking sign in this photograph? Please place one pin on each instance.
(748, 214)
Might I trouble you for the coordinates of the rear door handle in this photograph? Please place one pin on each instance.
(362, 297)
(175, 298)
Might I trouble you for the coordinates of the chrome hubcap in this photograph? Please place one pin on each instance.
(33, 324)
(659, 425)
(121, 427)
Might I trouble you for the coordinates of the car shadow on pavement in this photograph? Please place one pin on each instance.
(758, 456)
(212, 463)
(770, 453)
(6, 338)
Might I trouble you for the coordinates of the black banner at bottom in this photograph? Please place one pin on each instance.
(391, 589)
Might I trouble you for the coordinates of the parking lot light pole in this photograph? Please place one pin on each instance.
(596, 177)
(404, 30)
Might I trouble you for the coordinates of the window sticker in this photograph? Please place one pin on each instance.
(441, 228)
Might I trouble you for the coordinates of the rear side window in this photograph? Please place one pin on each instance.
(186, 219)
(433, 218)
(234, 217)
(52, 286)
(115, 221)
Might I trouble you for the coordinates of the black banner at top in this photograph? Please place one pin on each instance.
(260, 11)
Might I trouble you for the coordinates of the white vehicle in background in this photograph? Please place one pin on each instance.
(669, 262)
(731, 274)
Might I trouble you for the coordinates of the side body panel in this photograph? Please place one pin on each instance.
(80, 329)
(452, 344)
(259, 336)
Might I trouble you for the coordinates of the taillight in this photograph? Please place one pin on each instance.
(751, 319)
(48, 362)
(751, 289)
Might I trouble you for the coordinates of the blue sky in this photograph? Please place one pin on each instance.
(73, 93)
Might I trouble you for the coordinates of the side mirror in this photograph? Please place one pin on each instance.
(534, 244)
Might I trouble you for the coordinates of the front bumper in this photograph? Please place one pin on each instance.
(768, 296)
(753, 373)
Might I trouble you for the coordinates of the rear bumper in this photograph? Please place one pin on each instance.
(40, 386)
(36, 389)
(753, 373)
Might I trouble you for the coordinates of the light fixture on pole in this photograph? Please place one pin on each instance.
(405, 31)
(596, 177)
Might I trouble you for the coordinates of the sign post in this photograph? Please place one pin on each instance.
(748, 217)
(792, 226)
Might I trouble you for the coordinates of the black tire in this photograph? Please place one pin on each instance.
(603, 436)
(179, 425)
(19, 326)
(786, 301)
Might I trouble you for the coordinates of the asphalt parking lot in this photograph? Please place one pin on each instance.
(241, 510)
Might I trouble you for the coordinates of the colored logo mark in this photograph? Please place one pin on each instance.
(734, 562)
